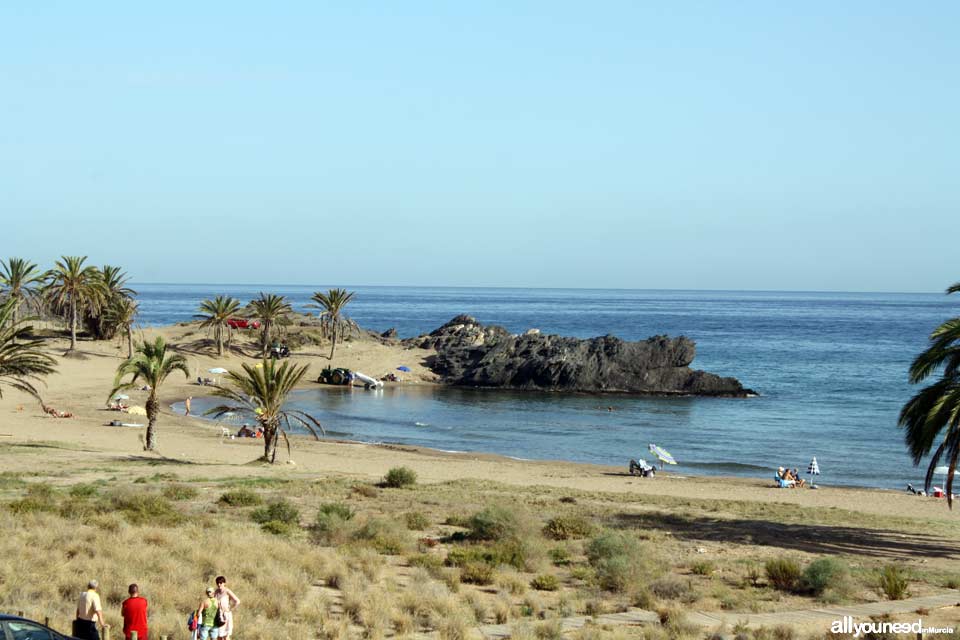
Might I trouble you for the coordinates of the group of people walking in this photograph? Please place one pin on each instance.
(213, 616)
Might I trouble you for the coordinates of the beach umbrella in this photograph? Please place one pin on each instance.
(814, 468)
(121, 396)
(403, 368)
(662, 455)
(217, 370)
(137, 411)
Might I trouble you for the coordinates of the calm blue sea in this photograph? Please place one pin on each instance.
(830, 368)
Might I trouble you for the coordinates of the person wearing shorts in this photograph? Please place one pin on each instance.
(227, 602)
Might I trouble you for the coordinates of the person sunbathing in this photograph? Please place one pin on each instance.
(795, 476)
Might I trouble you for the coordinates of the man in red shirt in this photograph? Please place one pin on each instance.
(134, 611)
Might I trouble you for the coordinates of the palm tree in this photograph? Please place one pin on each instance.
(122, 314)
(114, 289)
(332, 320)
(260, 393)
(20, 281)
(269, 308)
(936, 408)
(22, 364)
(74, 288)
(151, 365)
(215, 314)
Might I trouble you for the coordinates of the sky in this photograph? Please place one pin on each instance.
(670, 145)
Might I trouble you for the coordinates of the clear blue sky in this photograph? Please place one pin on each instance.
(730, 145)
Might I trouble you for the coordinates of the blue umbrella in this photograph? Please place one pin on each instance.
(403, 368)
(662, 454)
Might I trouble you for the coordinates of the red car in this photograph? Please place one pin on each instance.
(243, 323)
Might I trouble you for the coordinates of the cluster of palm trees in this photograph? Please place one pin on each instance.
(96, 299)
(273, 311)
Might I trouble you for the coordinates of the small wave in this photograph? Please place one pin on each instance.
(421, 424)
(729, 466)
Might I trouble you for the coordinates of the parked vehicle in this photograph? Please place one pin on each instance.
(243, 323)
(18, 628)
(279, 351)
(338, 376)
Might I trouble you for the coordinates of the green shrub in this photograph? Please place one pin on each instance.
(429, 561)
(496, 523)
(416, 521)
(332, 527)
(703, 568)
(31, 505)
(386, 536)
(621, 562)
(892, 582)
(399, 477)
(545, 582)
(339, 509)
(278, 528)
(671, 588)
(478, 573)
(84, 490)
(41, 491)
(365, 490)
(568, 528)
(241, 498)
(279, 510)
(783, 573)
(821, 574)
(560, 556)
(146, 508)
(178, 492)
(952, 582)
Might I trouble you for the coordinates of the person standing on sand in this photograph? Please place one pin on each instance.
(186, 405)
(206, 613)
(134, 612)
(88, 612)
(227, 601)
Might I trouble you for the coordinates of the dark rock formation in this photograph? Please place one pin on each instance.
(471, 354)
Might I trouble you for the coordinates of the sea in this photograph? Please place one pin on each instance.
(830, 371)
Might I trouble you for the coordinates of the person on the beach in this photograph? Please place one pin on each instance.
(796, 478)
(227, 601)
(134, 612)
(206, 614)
(186, 406)
(89, 612)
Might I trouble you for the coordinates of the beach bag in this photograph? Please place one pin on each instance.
(192, 622)
(219, 620)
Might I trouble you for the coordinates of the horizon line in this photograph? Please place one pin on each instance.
(554, 288)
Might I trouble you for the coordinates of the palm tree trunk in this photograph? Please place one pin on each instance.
(153, 407)
(73, 324)
(270, 438)
(333, 341)
(266, 336)
(129, 343)
(219, 331)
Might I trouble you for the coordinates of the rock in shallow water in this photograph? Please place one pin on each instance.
(476, 355)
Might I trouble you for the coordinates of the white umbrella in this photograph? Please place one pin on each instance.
(942, 470)
(217, 370)
(662, 454)
(121, 396)
(814, 468)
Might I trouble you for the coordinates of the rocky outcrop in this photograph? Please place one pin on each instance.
(476, 355)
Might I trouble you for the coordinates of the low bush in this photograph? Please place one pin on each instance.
(277, 511)
(822, 574)
(545, 582)
(478, 573)
(497, 523)
(671, 588)
(339, 509)
(365, 490)
(179, 492)
(783, 573)
(620, 560)
(703, 568)
(146, 508)
(241, 498)
(278, 528)
(386, 536)
(429, 561)
(560, 556)
(84, 490)
(568, 528)
(400, 477)
(416, 521)
(892, 582)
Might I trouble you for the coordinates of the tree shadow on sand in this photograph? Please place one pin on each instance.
(812, 538)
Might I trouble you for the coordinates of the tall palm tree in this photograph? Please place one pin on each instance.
(215, 314)
(114, 289)
(260, 393)
(332, 320)
(936, 408)
(22, 364)
(121, 313)
(74, 288)
(20, 281)
(149, 365)
(270, 309)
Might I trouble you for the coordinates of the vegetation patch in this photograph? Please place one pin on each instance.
(545, 582)
(241, 498)
(400, 477)
(568, 528)
(620, 560)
